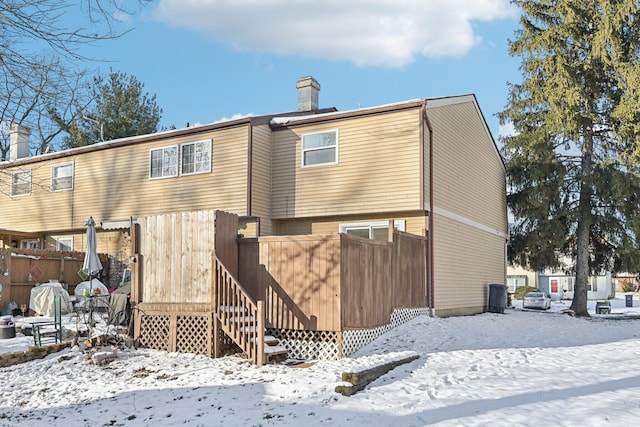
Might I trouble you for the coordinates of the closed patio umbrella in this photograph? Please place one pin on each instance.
(92, 264)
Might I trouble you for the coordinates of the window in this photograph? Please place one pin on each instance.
(62, 177)
(371, 230)
(30, 244)
(320, 148)
(21, 183)
(569, 284)
(164, 162)
(196, 157)
(64, 243)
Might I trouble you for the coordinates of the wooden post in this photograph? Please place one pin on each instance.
(61, 271)
(392, 227)
(262, 319)
(216, 336)
(136, 265)
(136, 281)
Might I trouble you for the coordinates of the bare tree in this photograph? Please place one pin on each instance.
(41, 64)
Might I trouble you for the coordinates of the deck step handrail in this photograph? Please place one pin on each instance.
(230, 300)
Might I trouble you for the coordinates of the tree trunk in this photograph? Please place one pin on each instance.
(579, 304)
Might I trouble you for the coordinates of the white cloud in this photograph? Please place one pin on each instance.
(366, 32)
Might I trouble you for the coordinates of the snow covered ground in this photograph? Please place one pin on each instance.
(521, 368)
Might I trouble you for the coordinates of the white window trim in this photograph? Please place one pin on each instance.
(73, 173)
(399, 225)
(64, 240)
(202, 141)
(13, 194)
(178, 160)
(303, 151)
(30, 244)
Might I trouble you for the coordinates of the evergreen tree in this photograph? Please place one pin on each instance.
(119, 109)
(572, 162)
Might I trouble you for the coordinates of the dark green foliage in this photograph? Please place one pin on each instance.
(574, 181)
(119, 109)
(523, 290)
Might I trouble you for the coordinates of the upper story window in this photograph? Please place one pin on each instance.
(164, 162)
(372, 230)
(62, 177)
(185, 159)
(320, 148)
(21, 183)
(195, 157)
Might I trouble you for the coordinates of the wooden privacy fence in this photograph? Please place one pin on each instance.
(176, 254)
(177, 305)
(334, 282)
(18, 266)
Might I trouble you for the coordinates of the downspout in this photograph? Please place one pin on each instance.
(430, 263)
(249, 167)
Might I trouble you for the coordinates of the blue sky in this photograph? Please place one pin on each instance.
(208, 60)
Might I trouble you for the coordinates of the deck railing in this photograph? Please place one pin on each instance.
(242, 319)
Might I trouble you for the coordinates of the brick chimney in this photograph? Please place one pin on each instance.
(308, 89)
(19, 142)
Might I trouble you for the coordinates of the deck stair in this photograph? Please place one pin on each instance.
(241, 318)
(247, 324)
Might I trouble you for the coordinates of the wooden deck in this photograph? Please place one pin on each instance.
(304, 290)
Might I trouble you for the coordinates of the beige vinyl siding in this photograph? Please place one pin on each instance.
(415, 223)
(114, 184)
(41, 209)
(466, 261)
(115, 242)
(261, 178)
(469, 176)
(378, 166)
(248, 227)
(470, 215)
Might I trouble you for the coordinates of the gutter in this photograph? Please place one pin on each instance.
(249, 167)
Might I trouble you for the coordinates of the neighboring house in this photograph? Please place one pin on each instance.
(558, 284)
(430, 165)
(518, 277)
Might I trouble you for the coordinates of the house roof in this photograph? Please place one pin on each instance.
(276, 121)
(292, 121)
(158, 136)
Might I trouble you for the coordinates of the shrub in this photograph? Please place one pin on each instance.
(627, 286)
(523, 290)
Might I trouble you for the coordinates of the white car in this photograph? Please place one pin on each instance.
(537, 300)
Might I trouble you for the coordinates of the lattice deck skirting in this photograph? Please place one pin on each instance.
(193, 333)
(154, 332)
(309, 345)
(327, 345)
(354, 340)
(185, 333)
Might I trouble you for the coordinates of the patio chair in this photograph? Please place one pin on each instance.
(48, 332)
